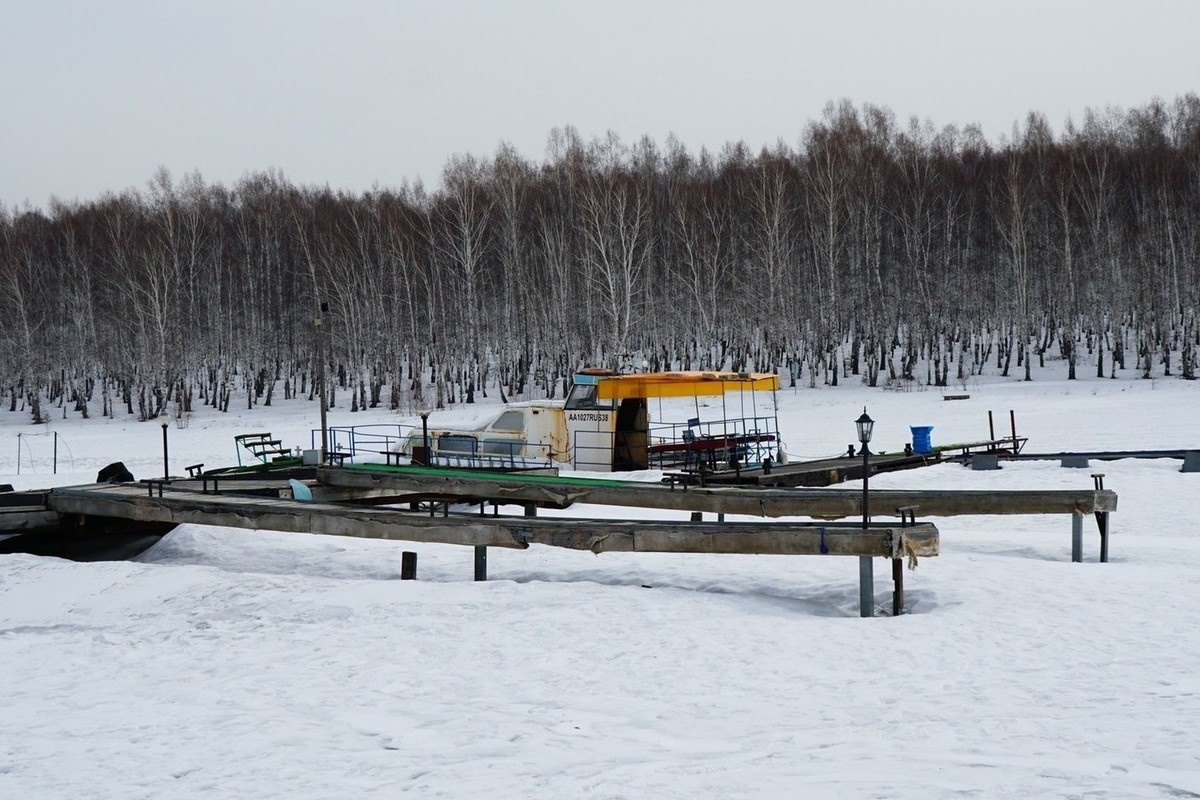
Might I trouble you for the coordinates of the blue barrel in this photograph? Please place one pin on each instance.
(921, 443)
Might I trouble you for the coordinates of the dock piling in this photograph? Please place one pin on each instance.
(481, 562)
(1077, 538)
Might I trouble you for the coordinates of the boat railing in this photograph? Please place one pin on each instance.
(392, 440)
(733, 441)
(365, 441)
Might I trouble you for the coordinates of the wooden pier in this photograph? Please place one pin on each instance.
(401, 503)
(820, 472)
(398, 484)
(167, 502)
(597, 535)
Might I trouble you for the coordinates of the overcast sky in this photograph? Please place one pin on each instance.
(97, 95)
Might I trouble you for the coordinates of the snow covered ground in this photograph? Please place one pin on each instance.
(230, 664)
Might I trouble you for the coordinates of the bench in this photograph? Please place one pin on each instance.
(262, 446)
(194, 470)
(153, 483)
(336, 457)
(1010, 444)
(671, 479)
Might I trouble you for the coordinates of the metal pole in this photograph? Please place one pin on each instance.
(897, 586)
(866, 570)
(1077, 537)
(18, 454)
(480, 562)
(55, 453)
(166, 469)
(321, 378)
(408, 566)
(425, 435)
(1102, 521)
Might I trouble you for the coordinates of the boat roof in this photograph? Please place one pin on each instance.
(682, 384)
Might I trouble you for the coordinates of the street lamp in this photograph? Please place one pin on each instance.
(866, 575)
(320, 325)
(425, 460)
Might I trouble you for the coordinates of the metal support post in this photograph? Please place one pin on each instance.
(408, 566)
(481, 562)
(908, 517)
(1101, 519)
(866, 568)
(321, 378)
(897, 586)
(1102, 523)
(1077, 537)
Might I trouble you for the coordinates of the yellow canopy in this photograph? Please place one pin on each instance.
(683, 384)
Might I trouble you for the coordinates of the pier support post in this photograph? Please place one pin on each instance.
(408, 566)
(480, 562)
(1102, 523)
(908, 517)
(897, 586)
(1101, 519)
(1077, 537)
(866, 587)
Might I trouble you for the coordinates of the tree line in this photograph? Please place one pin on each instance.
(868, 250)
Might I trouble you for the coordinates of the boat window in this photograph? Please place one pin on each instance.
(584, 396)
(502, 447)
(456, 443)
(511, 420)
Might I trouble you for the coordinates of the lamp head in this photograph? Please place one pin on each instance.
(865, 424)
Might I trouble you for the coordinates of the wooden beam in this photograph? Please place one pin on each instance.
(774, 538)
(28, 518)
(813, 503)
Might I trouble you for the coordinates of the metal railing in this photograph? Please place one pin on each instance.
(747, 441)
(458, 449)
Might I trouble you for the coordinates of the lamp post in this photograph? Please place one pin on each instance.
(866, 575)
(425, 460)
(321, 378)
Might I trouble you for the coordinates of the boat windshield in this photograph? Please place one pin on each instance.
(583, 395)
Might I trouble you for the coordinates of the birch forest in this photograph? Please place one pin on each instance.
(867, 249)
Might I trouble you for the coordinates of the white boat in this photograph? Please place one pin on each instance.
(604, 425)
